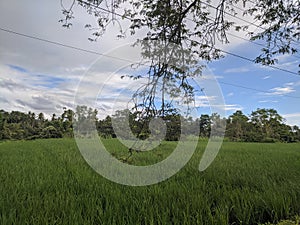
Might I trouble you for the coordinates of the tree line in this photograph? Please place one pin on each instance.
(262, 125)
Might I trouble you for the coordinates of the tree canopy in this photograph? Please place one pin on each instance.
(177, 36)
(262, 125)
(199, 25)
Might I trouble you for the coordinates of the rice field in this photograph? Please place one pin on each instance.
(48, 182)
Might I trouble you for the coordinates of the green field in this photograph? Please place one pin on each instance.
(48, 182)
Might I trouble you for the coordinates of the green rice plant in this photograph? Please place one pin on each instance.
(49, 182)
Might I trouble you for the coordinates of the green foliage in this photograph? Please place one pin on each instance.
(48, 182)
(263, 125)
(18, 125)
(51, 132)
(205, 125)
(179, 37)
(280, 20)
(199, 25)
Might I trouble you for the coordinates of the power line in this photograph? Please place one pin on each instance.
(237, 7)
(241, 19)
(60, 44)
(114, 57)
(229, 53)
(251, 60)
(122, 59)
(118, 58)
(255, 43)
(207, 4)
(255, 89)
(245, 39)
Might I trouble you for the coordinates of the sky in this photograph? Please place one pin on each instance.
(43, 77)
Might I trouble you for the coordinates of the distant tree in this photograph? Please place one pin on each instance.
(53, 117)
(14, 131)
(218, 125)
(51, 132)
(67, 115)
(205, 125)
(1, 124)
(67, 120)
(85, 120)
(263, 125)
(41, 117)
(267, 122)
(16, 117)
(296, 133)
(6, 132)
(105, 128)
(173, 122)
(285, 133)
(191, 126)
(237, 126)
(40, 124)
(32, 119)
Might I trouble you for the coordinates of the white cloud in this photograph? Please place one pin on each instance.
(268, 101)
(228, 107)
(211, 77)
(290, 65)
(292, 118)
(294, 84)
(283, 58)
(233, 107)
(281, 90)
(20, 92)
(289, 84)
(35, 91)
(53, 72)
(237, 70)
(40, 19)
(263, 67)
(204, 101)
(266, 77)
(287, 88)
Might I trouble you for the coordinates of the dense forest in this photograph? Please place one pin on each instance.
(262, 125)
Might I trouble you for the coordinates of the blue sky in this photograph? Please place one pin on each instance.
(38, 76)
(39, 80)
(252, 86)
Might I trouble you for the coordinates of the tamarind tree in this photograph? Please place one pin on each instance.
(177, 35)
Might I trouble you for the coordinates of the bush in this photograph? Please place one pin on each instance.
(51, 132)
(269, 140)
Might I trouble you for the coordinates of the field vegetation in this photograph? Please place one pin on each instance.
(48, 182)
